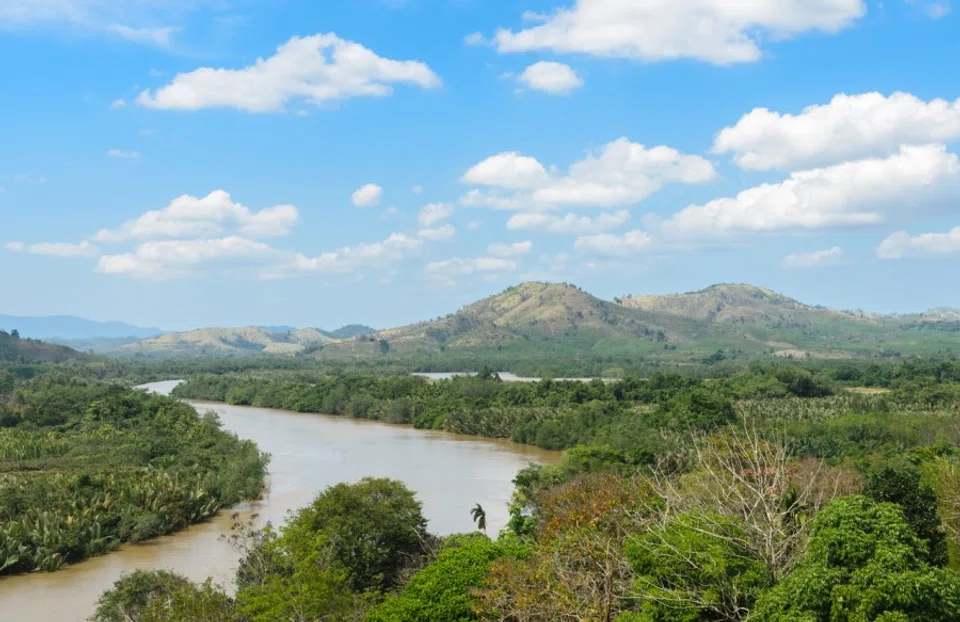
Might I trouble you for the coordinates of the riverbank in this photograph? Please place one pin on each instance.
(450, 473)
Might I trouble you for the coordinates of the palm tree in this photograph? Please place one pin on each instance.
(479, 517)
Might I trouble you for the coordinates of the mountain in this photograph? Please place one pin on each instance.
(560, 320)
(70, 327)
(351, 330)
(229, 341)
(16, 349)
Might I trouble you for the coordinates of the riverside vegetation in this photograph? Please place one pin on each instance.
(86, 466)
(774, 494)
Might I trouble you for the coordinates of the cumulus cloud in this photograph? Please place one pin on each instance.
(857, 193)
(438, 234)
(395, 248)
(550, 77)
(123, 155)
(435, 212)
(850, 126)
(610, 245)
(178, 258)
(317, 69)
(621, 173)
(367, 196)
(16, 247)
(814, 259)
(117, 104)
(901, 245)
(507, 170)
(715, 31)
(209, 216)
(516, 249)
(169, 259)
(568, 224)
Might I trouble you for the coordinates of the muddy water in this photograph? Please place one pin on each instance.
(309, 452)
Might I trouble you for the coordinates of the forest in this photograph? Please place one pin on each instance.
(776, 493)
(86, 466)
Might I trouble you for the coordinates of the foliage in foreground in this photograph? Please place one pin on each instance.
(85, 467)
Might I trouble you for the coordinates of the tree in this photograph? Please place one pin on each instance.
(136, 592)
(442, 590)
(479, 517)
(336, 555)
(15, 333)
(899, 483)
(697, 567)
(864, 562)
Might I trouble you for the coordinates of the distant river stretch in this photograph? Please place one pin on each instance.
(450, 474)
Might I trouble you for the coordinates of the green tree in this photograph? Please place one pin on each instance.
(900, 483)
(697, 567)
(336, 555)
(135, 593)
(864, 562)
(442, 590)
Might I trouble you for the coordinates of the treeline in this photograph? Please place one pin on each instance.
(640, 417)
(86, 466)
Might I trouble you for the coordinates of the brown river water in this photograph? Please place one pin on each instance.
(450, 473)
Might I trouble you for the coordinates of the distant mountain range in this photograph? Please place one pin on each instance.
(70, 327)
(545, 319)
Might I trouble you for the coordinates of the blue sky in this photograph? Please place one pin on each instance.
(229, 162)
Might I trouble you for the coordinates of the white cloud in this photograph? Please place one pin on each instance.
(715, 31)
(902, 245)
(815, 259)
(850, 126)
(516, 249)
(622, 173)
(418, 189)
(459, 266)
(438, 234)
(367, 196)
(475, 225)
(140, 21)
(507, 170)
(117, 104)
(568, 224)
(862, 192)
(550, 77)
(435, 212)
(178, 258)
(475, 38)
(610, 245)
(55, 249)
(63, 249)
(169, 259)
(123, 155)
(160, 37)
(212, 215)
(319, 69)
(395, 248)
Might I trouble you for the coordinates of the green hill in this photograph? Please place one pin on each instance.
(14, 349)
(548, 319)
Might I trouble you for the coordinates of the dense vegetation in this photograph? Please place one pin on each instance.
(85, 466)
(773, 494)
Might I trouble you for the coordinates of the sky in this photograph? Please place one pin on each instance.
(192, 163)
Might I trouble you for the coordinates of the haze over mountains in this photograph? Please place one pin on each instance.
(561, 319)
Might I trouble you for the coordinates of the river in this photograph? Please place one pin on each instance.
(450, 474)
